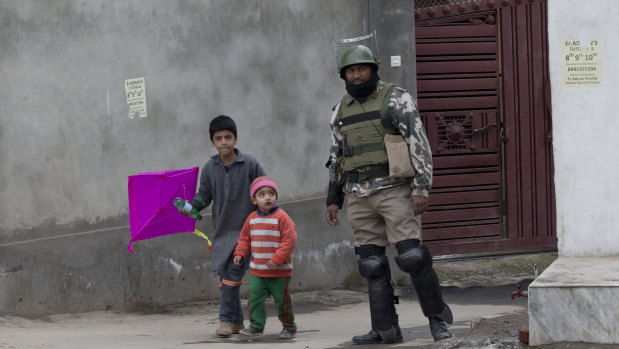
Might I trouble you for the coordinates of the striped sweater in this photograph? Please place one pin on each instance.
(269, 236)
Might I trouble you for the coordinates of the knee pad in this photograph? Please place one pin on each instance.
(413, 257)
(373, 262)
(374, 267)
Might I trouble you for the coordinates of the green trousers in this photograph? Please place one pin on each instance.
(259, 289)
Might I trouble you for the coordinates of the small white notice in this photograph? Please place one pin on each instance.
(396, 61)
(581, 62)
(135, 90)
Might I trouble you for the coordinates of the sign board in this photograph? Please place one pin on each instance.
(135, 90)
(581, 62)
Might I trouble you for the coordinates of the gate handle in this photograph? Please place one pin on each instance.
(483, 128)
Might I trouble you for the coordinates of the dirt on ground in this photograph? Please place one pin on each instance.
(502, 333)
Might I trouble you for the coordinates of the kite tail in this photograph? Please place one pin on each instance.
(130, 248)
(201, 234)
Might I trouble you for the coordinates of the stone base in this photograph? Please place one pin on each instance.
(575, 300)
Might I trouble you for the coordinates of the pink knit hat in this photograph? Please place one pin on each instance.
(260, 182)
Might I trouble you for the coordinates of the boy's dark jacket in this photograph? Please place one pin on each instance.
(229, 193)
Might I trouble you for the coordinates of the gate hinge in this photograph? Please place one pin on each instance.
(504, 138)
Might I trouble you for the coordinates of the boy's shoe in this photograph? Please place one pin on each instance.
(226, 329)
(251, 331)
(237, 327)
(287, 334)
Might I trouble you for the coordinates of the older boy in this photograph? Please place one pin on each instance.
(225, 181)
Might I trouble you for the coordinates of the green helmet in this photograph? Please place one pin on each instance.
(357, 54)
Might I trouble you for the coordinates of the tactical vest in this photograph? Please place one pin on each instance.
(363, 127)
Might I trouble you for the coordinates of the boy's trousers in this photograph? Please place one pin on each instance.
(231, 279)
(259, 289)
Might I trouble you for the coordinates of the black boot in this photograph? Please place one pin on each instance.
(393, 335)
(371, 337)
(439, 329)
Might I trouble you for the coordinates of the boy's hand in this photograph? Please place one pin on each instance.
(238, 260)
(271, 265)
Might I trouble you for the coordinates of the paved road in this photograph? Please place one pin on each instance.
(325, 319)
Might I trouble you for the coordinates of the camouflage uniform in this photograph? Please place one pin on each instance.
(380, 212)
(402, 107)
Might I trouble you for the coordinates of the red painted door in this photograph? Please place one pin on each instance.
(470, 94)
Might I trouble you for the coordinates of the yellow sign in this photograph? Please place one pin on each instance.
(582, 62)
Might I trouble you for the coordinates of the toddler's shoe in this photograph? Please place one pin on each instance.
(287, 334)
(251, 331)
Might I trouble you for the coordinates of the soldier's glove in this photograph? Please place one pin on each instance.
(335, 194)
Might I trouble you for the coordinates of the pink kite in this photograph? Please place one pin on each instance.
(151, 209)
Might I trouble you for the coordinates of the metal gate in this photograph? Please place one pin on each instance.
(484, 103)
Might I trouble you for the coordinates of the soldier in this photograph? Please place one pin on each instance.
(385, 202)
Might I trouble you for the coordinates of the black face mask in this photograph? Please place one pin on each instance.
(362, 91)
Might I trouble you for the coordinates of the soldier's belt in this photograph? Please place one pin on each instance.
(353, 150)
(372, 173)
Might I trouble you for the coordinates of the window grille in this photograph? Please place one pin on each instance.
(455, 133)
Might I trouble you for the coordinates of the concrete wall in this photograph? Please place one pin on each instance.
(395, 34)
(67, 143)
(584, 131)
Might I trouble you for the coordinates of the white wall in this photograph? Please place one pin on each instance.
(585, 137)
